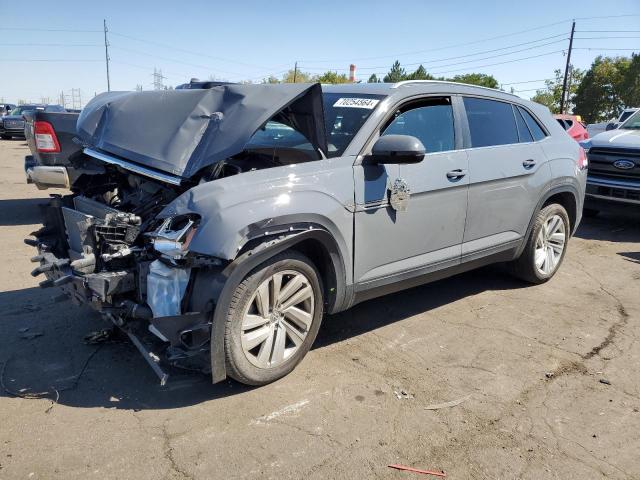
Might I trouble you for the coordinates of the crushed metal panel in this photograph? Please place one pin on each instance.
(183, 131)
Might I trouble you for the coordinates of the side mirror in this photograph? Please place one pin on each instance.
(610, 126)
(397, 149)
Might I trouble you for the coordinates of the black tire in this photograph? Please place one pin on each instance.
(5, 137)
(524, 267)
(590, 212)
(239, 367)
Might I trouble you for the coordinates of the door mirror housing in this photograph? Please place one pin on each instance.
(396, 149)
(610, 126)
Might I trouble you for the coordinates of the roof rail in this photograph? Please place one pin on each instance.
(407, 82)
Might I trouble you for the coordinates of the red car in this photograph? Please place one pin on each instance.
(574, 126)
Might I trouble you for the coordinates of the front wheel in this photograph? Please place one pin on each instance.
(546, 245)
(5, 137)
(273, 319)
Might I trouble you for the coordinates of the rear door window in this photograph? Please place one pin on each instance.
(490, 122)
(430, 121)
(534, 126)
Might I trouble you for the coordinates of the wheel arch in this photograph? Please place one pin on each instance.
(565, 195)
(313, 240)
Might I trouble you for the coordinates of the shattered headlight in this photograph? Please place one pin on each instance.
(174, 235)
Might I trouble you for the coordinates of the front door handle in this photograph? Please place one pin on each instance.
(456, 174)
(528, 163)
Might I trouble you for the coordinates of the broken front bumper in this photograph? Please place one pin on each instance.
(67, 256)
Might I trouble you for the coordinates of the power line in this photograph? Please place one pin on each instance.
(447, 46)
(604, 49)
(28, 29)
(52, 60)
(191, 52)
(174, 60)
(500, 63)
(50, 45)
(481, 52)
(469, 61)
(607, 31)
(600, 38)
(527, 81)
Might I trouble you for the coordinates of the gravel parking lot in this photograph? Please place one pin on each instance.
(546, 377)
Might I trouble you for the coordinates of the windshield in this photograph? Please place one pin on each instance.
(625, 115)
(344, 115)
(633, 123)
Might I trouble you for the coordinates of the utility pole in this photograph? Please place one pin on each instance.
(566, 69)
(106, 54)
(295, 72)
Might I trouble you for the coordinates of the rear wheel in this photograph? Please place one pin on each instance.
(273, 319)
(546, 245)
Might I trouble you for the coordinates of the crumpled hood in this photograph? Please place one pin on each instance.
(621, 138)
(183, 131)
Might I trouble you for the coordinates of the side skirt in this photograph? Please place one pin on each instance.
(427, 274)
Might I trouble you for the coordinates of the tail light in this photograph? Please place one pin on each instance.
(46, 139)
(582, 159)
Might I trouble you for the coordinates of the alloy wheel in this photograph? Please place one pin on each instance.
(550, 244)
(277, 319)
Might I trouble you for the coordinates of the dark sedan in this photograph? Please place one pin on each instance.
(13, 125)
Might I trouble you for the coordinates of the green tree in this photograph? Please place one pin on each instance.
(396, 74)
(419, 74)
(300, 77)
(481, 79)
(599, 97)
(551, 94)
(373, 79)
(270, 79)
(630, 84)
(332, 77)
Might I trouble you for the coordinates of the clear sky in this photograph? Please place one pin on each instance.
(242, 40)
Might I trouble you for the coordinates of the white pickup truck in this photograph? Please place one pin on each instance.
(595, 128)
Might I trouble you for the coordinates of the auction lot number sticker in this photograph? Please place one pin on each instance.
(368, 103)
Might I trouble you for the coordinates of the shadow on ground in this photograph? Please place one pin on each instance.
(42, 348)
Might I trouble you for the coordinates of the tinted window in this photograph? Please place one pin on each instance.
(523, 131)
(562, 123)
(534, 127)
(490, 122)
(431, 123)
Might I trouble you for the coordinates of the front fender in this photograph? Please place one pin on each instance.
(235, 210)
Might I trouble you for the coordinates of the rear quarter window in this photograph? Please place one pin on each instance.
(535, 128)
(491, 122)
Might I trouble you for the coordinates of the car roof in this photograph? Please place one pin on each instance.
(412, 87)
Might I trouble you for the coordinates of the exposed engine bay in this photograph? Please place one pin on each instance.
(119, 243)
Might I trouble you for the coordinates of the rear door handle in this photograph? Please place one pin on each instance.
(528, 163)
(455, 174)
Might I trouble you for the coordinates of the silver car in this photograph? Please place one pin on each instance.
(224, 223)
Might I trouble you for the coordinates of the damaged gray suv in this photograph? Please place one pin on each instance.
(218, 226)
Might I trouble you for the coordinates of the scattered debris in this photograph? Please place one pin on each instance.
(417, 470)
(452, 403)
(605, 381)
(549, 374)
(400, 394)
(108, 335)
